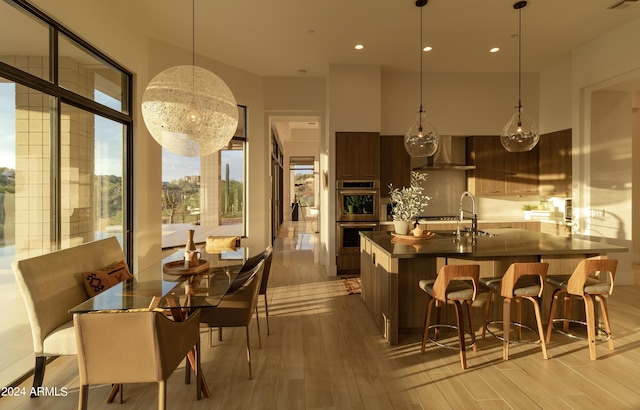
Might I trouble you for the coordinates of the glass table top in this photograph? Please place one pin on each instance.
(201, 289)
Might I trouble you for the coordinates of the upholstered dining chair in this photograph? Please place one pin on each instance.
(236, 309)
(134, 347)
(457, 284)
(592, 278)
(244, 274)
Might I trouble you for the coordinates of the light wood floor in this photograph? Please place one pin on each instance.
(324, 352)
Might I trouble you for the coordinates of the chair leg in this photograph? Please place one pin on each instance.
(487, 308)
(425, 333)
(471, 327)
(249, 353)
(198, 370)
(187, 372)
(258, 324)
(460, 323)
(591, 325)
(38, 375)
(519, 317)
(566, 312)
(162, 395)
(552, 312)
(438, 315)
(506, 324)
(605, 318)
(219, 334)
(266, 312)
(536, 310)
(83, 397)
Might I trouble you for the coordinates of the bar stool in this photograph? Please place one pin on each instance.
(457, 284)
(585, 281)
(517, 283)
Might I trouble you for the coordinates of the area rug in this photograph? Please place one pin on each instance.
(352, 286)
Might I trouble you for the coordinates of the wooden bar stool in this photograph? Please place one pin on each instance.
(457, 284)
(517, 283)
(587, 282)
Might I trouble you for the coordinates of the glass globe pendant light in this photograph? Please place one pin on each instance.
(189, 110)
(520, 134)
(422, 138)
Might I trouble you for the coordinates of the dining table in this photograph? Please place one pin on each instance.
(174, 286)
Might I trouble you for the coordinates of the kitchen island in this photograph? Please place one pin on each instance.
(391, 268)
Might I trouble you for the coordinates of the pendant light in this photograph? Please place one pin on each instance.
(422, 138)
(189, 110)
(520, 134)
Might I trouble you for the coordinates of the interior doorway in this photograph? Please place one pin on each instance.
(296, 139)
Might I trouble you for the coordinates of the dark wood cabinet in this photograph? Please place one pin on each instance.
(498, 172)
(357, 156)
(396, 167)
(555, 163)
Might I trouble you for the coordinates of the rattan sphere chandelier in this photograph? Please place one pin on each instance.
(189, 110)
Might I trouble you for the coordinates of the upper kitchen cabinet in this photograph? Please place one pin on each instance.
(357, 156)
(555, 163)
(398, 171)
(498, 172)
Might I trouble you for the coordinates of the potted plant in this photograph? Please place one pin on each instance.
(407, 203)
(527, 208)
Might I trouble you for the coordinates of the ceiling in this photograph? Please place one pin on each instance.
(303, 37)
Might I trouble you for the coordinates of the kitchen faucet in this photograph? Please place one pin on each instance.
(474, 212)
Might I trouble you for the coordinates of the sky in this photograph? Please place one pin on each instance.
(7, 125)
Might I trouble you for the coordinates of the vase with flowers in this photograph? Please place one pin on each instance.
(407, 203)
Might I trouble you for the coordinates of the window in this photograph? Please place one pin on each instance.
(64, 133)
(303, 180)
(207, 191)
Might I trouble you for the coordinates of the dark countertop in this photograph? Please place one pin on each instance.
(503, 242)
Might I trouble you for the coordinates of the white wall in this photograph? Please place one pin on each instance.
(456, 103)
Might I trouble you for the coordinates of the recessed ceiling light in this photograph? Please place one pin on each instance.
(359, 46)
(427, 48)
(494, 50)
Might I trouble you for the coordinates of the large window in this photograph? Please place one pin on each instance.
(64, 134)
(208, 192)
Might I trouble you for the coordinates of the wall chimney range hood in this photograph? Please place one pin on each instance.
(450, 156)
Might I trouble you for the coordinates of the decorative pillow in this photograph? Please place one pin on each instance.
(217, 244)
(102, 279)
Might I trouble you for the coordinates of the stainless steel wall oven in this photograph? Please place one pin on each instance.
(357, 200)
(357, 205)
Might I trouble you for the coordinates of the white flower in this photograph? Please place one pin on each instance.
(407, 203)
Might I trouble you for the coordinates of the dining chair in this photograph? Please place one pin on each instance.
(457, 284)
(520, 281)
(236, 309)
(134, 347)
(592, 278)
(244, 274)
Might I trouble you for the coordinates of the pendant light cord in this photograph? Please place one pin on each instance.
(193, 33)
(421, 74)
(519, 62)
